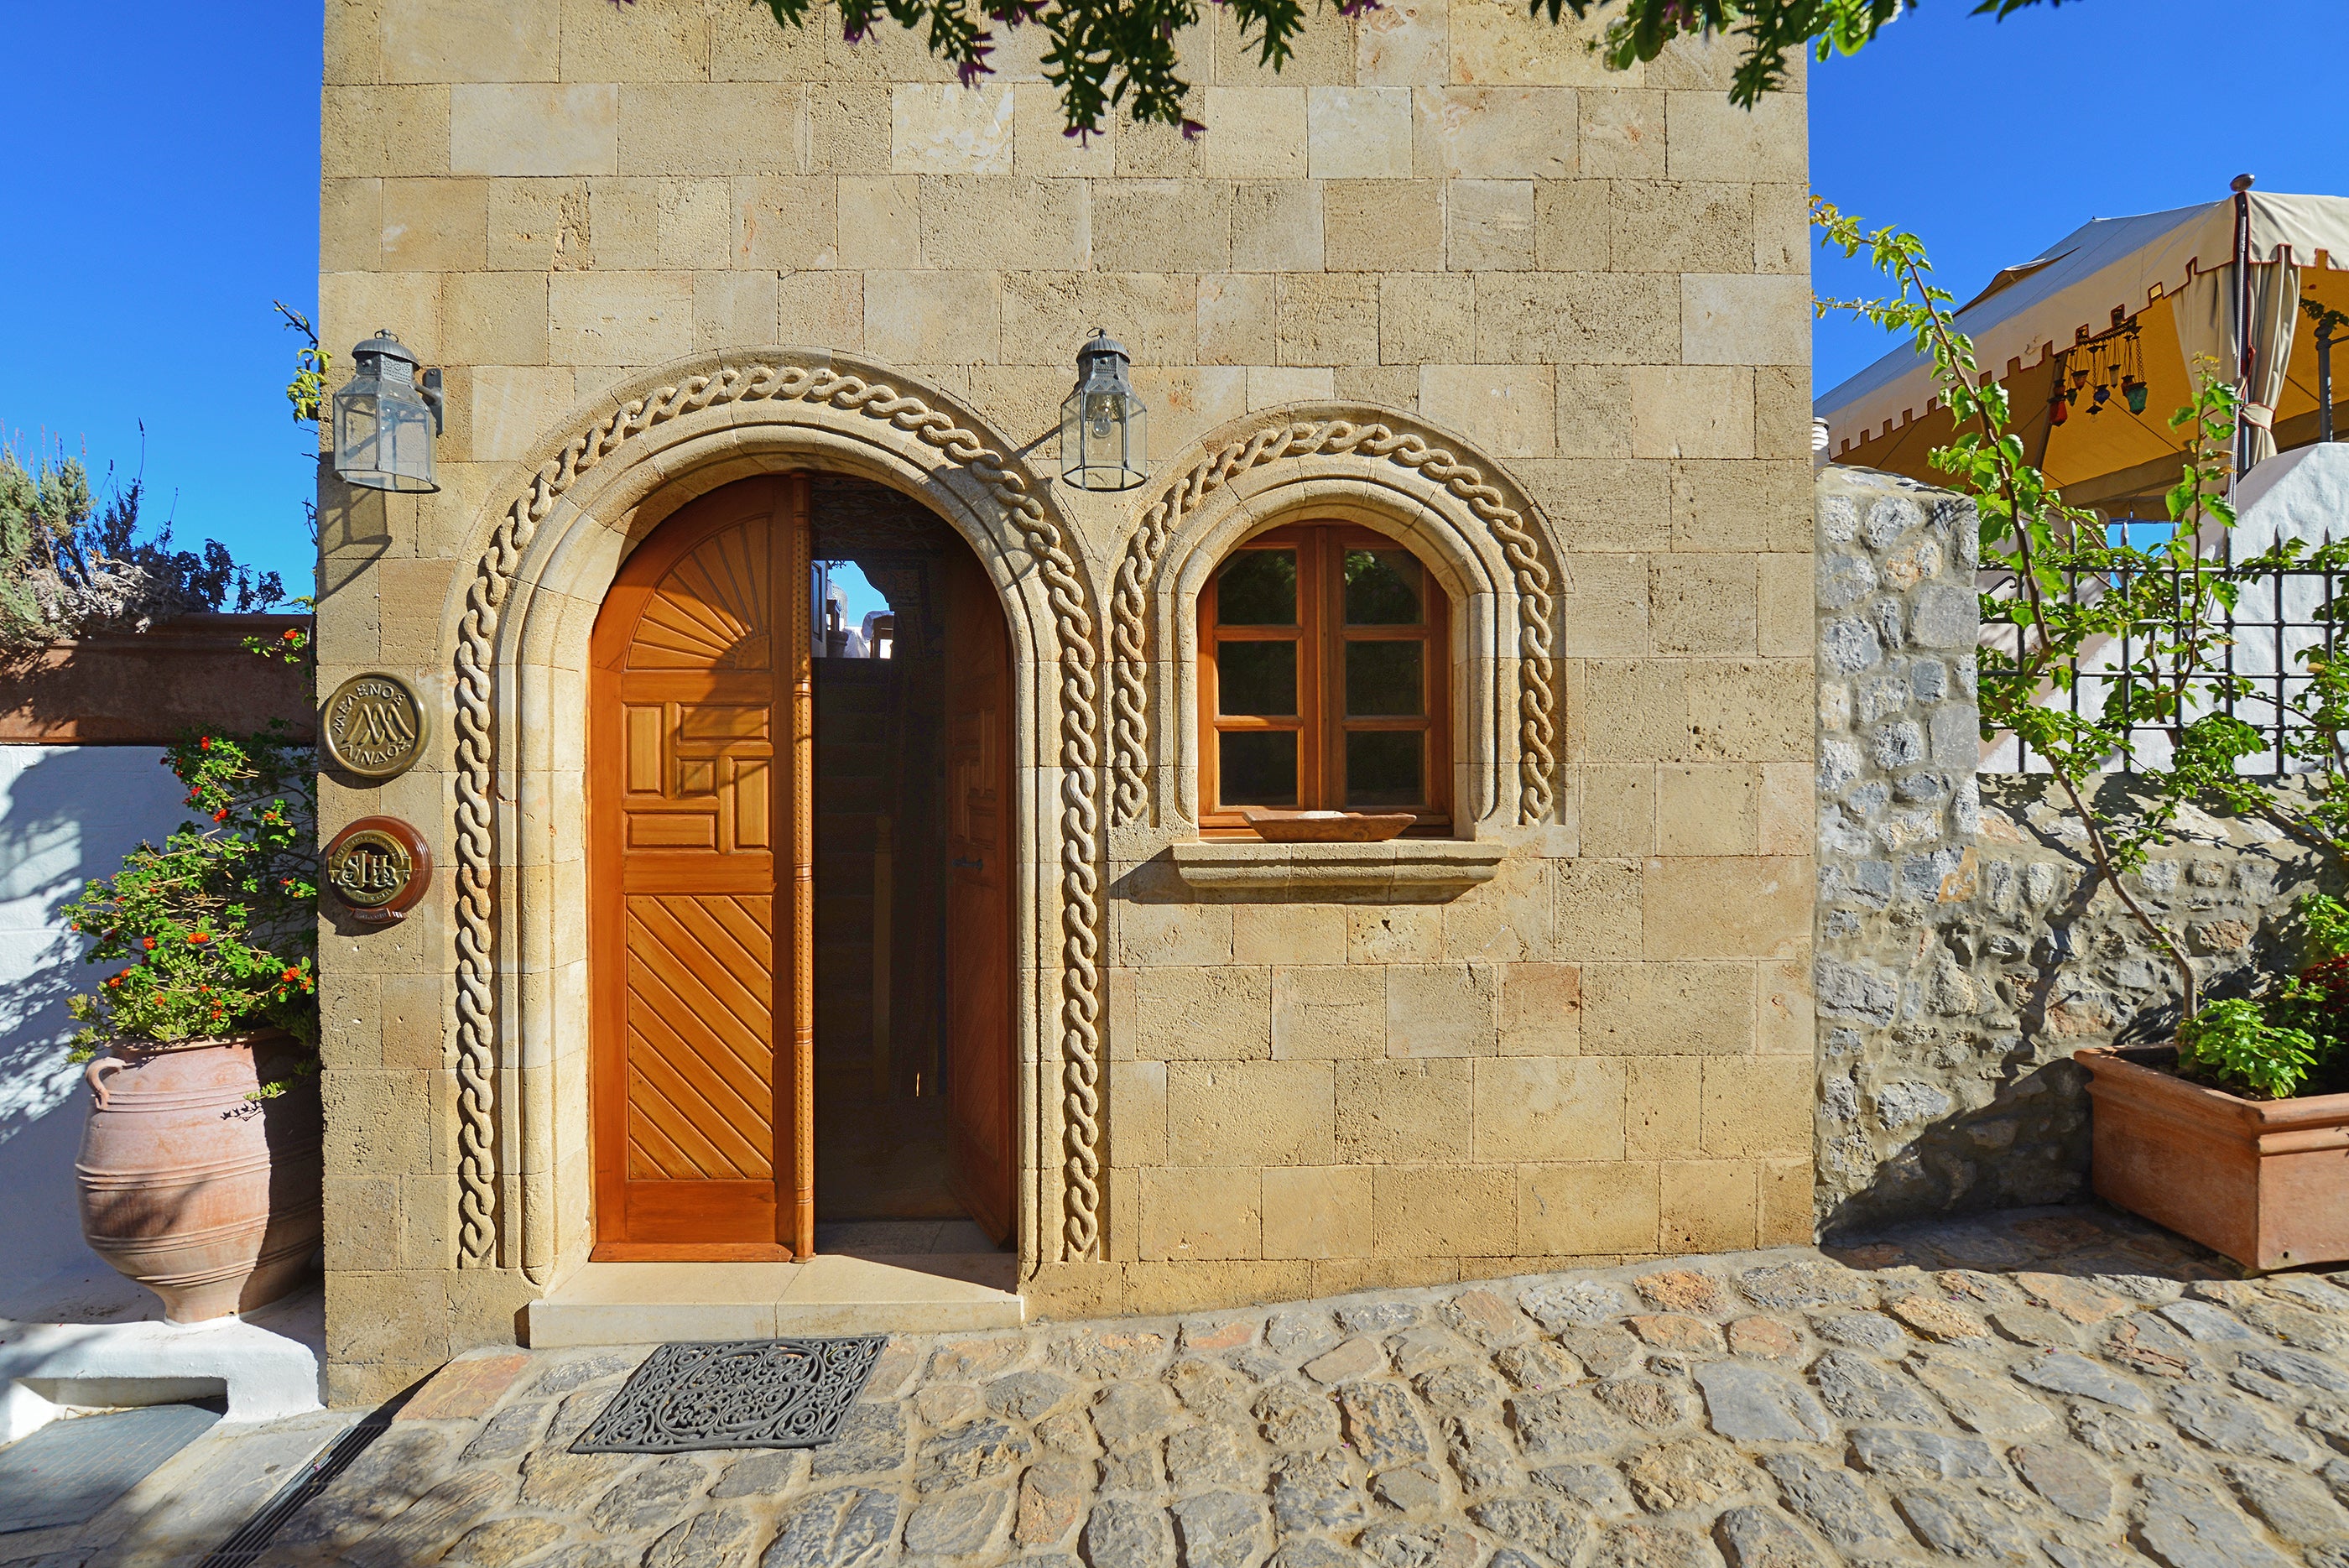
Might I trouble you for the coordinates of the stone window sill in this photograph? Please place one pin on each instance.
(1401, 870)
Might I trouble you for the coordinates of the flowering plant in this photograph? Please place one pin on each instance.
(218, 926)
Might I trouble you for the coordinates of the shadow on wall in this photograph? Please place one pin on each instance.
(66, 814)
(1946, 1079)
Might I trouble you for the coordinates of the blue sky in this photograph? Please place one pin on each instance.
(2090, 109)
(165, 164)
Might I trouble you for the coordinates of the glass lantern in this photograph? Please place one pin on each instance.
(385, 420)
(1102, 424)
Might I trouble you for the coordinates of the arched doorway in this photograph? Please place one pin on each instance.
(798, 882)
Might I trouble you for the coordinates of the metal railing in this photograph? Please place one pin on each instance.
(2279, 613)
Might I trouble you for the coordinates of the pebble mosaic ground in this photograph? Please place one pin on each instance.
(2058, 1387)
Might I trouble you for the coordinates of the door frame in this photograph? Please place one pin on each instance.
(535, 561)
(791, 781)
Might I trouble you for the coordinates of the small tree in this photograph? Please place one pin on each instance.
(2070, 587)
(70, 566)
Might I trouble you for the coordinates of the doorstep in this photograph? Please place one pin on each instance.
(642, 1303)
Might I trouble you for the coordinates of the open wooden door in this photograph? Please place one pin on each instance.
(980, 820)
(700, 886)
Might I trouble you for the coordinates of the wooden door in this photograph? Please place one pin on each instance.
(699, 879)
(980, 819)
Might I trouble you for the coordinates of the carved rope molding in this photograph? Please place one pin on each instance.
(1080, 759)
(1129, 603)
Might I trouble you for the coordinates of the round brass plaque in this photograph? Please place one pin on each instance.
(378, 866)
(373, 726)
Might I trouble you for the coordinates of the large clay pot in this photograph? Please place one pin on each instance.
(204, 1195)
(2266, 1182)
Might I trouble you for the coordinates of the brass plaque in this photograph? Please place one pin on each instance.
(379, 867)
(373, 726)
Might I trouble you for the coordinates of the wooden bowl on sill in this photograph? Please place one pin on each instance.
(1326, 826)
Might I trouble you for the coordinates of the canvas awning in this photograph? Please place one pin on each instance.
(2089, 286)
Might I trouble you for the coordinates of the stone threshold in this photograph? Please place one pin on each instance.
(643, 1304)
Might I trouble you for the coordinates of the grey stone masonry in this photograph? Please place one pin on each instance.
(1899, 815)
(1966, 946)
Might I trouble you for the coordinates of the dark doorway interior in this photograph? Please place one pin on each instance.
(889, 1173)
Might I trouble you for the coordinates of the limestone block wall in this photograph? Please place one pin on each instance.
(1587, 1057)
(1966, 945)
(1596, 283)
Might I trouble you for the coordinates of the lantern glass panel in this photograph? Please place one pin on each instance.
(1104, 440)
(384, 428)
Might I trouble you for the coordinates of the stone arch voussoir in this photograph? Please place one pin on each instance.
(1248, 475)
(628, 445)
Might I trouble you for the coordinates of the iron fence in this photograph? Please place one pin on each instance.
(2280, 614)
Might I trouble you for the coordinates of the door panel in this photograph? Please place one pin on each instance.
(701, 888)
(980, 817)
(695, 1115)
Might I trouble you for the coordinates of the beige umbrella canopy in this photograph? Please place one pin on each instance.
(2121, 307)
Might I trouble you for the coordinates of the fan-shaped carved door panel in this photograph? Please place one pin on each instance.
(700, 881)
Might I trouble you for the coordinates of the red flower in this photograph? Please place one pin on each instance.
(291, 634)
(205, 741)
(200, 937)
(116, 980)
(149, 944)
(221, 815)
(291, 974)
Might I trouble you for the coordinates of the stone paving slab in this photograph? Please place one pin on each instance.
(2061, 1388)
(178, 1513)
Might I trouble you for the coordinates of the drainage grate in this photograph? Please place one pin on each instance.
(738, 1393)
(241, 1549)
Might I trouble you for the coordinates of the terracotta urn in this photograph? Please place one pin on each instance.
(189, 1186)
(2265, 1182)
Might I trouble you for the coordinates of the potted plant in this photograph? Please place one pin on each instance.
(2238, 1136)
(199, 1167)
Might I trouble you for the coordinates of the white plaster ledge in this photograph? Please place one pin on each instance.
(1401, 870)
(266, 1365)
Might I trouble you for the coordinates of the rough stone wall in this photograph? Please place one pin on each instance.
(1899, 813)
(1451, 212)
(1966, 945)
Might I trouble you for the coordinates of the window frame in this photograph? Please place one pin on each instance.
(1321, 635)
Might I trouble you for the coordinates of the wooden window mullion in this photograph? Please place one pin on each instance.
(1321, 637)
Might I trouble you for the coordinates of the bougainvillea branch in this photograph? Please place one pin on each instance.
(1113, 56)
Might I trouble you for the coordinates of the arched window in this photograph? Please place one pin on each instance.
(1325, 679)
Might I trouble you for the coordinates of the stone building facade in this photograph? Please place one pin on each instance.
(1444, 277)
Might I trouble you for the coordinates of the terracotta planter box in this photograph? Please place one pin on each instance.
(2266, 1182)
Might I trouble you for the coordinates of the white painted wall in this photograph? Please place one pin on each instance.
(66, 814)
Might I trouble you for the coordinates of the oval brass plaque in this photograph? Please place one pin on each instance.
(378, 866)
(373, 726)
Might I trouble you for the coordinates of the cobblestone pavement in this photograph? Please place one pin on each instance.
(2056, 1386)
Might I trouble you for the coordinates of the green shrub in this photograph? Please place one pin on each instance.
(2231, 1045)
(2325, 927)
(216, 929)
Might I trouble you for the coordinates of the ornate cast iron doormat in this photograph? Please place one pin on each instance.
(738, 1393)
